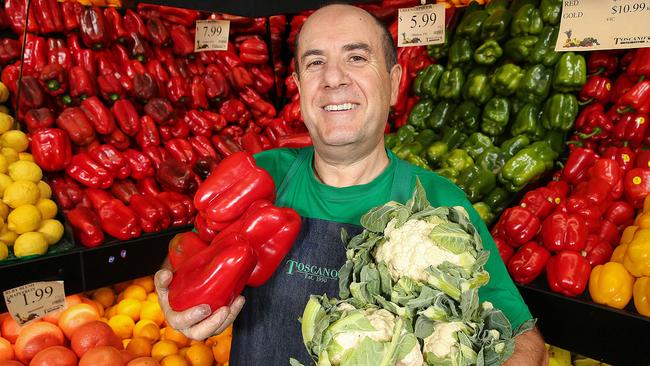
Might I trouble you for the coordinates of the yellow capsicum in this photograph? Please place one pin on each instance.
(637, 256)
(619, 253)
(642, 295)
(611, 284)
(628, 234)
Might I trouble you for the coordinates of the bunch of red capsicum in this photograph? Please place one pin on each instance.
(248, 236)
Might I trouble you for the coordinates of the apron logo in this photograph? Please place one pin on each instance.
(312, 272)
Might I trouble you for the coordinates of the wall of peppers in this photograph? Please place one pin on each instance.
(125, 120)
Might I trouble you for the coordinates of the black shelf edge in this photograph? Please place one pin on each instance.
(617, 337)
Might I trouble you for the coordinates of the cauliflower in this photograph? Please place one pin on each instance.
(443, 341)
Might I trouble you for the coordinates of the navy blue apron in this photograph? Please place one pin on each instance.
(267, 330)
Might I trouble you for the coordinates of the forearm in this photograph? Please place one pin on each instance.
(529, 350)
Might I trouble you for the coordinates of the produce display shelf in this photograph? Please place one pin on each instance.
(617, 337)
(83, 269)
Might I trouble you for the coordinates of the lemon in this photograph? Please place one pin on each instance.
(4, 211)
(15, 139)
(7, 236)
(3, 164)
(47, 207)
(10, 154)
(25, 170)
(5, 181)
(22, 192)
(4, 251)
(6, 122)
(4, 109)
(4, 93)
(30, 243)
(52, 230)
(46, 191)
(25, 156)
(24, 218)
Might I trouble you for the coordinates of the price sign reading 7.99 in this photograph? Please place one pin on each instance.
(34, 300)
(211, 35)
(421, 25)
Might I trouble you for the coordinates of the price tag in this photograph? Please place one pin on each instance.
(421, 25)
(589, 25)
(35, 300)
(211, 35)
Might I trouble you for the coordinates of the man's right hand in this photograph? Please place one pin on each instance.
(195, 322)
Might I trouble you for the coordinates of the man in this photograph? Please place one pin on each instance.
(347, 78)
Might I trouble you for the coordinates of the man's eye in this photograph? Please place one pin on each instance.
(357, 58)
(314, 63)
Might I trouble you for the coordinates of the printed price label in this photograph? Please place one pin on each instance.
(603, 25)
(211, 35)
(421, 25)
(35, 300)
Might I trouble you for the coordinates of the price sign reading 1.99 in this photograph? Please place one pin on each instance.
(421, 25)
(34, 300)
(211, 35)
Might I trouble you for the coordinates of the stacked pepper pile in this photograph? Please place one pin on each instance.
(504, 86)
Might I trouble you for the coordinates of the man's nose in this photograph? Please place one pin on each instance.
(335, 75)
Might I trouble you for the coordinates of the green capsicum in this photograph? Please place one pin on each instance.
(449, 173)
(426, 137)
(512, 146)
(415, 147)
(457, 159)
(421, 110)
(406, 134)
(488, 53)
(519, 48)
(528, 122)
(506, 79)
(451, 138)
(439, 52)
(478, 87)
(451, 84)
(390, 140)
(476, 143)
(417, 82)
(550, 11)
(467, 116)
(440, 115)
(491, 159)
(496, 6)
(470, 25)
(527, 165)
(476, 182)
(560, 111)
(518, 4)
(460, 52)
(498, 199)
(570, 73)
(431, 80)
(544, 50)
(484, 212)
(526, 21)
(535, 85)
(496, 25)
(555, 139)
(417, 161)
(495, 117)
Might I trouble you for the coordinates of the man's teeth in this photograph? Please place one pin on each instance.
(340, 107)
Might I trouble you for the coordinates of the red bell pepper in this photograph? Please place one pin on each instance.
(114, 25)
(642, 159)
(139, 48)
(81, 84)
(623, 156)
(177, 89)
(181, 150)
(71, 11)
(134, 24)
(259, 107)
(111, 159)
(597, 251)
(560, 187)
(126, 116)
(140, 164)
(203, 231)
(505, 251)
(148, 186)
(86, 226)
(110, 87)
(225, 146)
(631, 128)
(68, 194)
(620, 213)
(602, 63)
(295, 141)
(160, 110)
(622, 85)
(585, 211)
(51, 149)
(252, 142)
(202, 147)
(94, 31)
(31, 94)
(16, 11)
(176, 177)
(40, 118)
(597, 88)
(199, 123)
(183, 246)
(97, 197)
(10, 50)
(53, 79)
(563, 231)
(637, 98)
(540, 201)
(577, 165)
(74, 122)
(608, 232)
(58, 53)
(49, 16)
(605, 170)
(118, 221)
(152, 214)
(182, 41)
(88, 172)
(264, 78)
(180, 207)
(118, 139)
(144, 87)
(198, 94)
(519, 225)
(254, 51)
(124, 189)
(213, 276)
(637, 186)
(568, 273)
(98, 115)
(159, 34)
(148, 134)
(639, 66)
(175, 15)
(528, 262)
(204, 166)
(157, 155)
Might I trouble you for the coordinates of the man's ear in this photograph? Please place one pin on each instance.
(296, 80)
(395, 77)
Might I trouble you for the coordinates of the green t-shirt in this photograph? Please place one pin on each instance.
(313, 199)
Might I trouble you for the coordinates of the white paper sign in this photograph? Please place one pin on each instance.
(35, 300)
(421, 25)
(211, 35)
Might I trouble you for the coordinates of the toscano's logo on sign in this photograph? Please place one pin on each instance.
(312, 272)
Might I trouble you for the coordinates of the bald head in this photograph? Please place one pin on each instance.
(352, 14)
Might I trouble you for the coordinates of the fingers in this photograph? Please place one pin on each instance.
(235, 308)
(178, 320)
(162, 278)
(207, 327)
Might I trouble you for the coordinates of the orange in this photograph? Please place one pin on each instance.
(174, 360)
(6, 350)
(146, 328)
(221, 350)
(183, 351)
(153, 297)
(140, 347)
(162, 349)
(143, 361)
(119, 287)
(54, 356)
(199, 355)
(93, 334)
(135, 292)
(10, 329)
(152, 311)
(122, 325)
(102, 356)
(35, 337)
(75, 316)
(146, 283)
(130, 307)
(175, 336)
(104, 296)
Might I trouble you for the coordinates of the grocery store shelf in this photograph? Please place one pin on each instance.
(249, 8)
(83, 269)
(617, 337)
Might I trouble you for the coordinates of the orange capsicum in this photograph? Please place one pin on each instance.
(637, 256)
(611, 284)
(641, 293)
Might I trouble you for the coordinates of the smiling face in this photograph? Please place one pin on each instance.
(345, 87)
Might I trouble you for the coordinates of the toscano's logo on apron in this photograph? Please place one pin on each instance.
(312, 272)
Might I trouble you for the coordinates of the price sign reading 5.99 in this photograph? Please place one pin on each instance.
(34, 300)
(421, 25)
(211, 35)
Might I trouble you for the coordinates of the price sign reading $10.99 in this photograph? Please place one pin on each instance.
(421, 25)
(35, 300)
(211, 35)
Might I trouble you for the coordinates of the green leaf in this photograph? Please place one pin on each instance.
(418, 201)
(345, 276)
(423, 326)
(368, 352)
(377, 218)
(370, 275)
(385, 279)
(451, 237)
(360, 294)
(294, 362)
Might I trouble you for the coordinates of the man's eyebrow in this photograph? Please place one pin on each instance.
(357, 46)
(312, 52)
